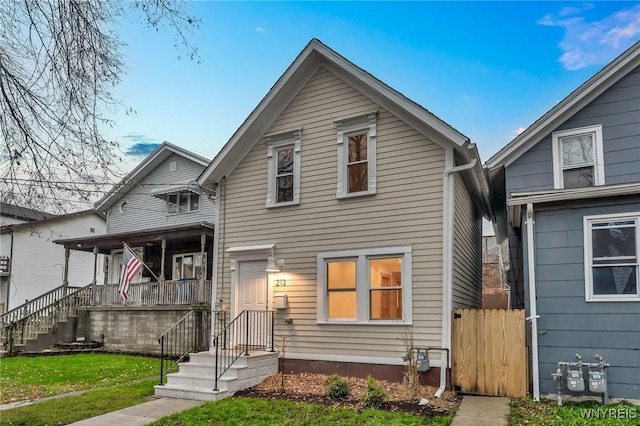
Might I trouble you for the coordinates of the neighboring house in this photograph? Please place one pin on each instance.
(161, 215)
(567, 193)
(31, 263)
(368, 205)
(495, 265)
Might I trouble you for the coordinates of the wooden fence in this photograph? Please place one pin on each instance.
(488, 352)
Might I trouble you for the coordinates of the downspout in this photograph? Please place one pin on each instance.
(214, 266)
(533, 309)
(447, 259)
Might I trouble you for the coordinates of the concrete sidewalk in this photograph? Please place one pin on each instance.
(482, 411)
(142, 413)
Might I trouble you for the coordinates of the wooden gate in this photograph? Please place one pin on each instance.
(488, 352)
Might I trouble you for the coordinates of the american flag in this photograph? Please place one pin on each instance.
(131, 265)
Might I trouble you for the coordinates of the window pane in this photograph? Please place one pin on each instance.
(357, 148)
(342, 305)
(615, 280)
(284, 189)
(577, 150)
(285, 161)
(385, 278)
(341, 275)
(172, 203)
(195, 202)
(614, 242)
(358, 177)
(386, 304)
(581, 177)
(184, 202)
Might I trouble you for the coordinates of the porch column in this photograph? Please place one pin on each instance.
(164, 250)
(95, 273)
(65, 276)
(203, 267)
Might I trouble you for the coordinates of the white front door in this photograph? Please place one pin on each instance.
(252, 296)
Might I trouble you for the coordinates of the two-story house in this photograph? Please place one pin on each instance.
(355, 213)
(567, 194)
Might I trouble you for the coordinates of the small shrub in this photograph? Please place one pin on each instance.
(337, 387)
(375, 394)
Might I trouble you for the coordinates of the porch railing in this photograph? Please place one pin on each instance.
(191, 292)
(36, 304)
(190, 334)
(249, 330)
(44, 319)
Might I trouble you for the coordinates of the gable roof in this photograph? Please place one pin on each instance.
(23, 213)
(578, 99)
(146, 166)
(313, 56)
(49, 220)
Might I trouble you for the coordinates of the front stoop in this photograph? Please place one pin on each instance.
(195, 379)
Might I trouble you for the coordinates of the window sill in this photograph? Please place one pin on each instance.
(180, 213)
(354, 195)
(630, 298)
(290, 203)
(372, 322)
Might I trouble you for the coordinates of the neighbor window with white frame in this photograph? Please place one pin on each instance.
(283, 159)
(578, 159)
(365, 286)
(357, 155)
(611, 257)
(182, 202)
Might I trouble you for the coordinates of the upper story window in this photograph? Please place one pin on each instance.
(182, 202)
(578, 157)
(365, 286)
(356, 155)
(611, 250)
(283, 161)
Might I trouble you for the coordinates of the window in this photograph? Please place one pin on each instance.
(611, 257)
(283, 160)
(578, 158)
(356, 155)
(189, 266)
(365, 286)
(183, 202)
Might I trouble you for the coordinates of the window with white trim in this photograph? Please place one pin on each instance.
(356, 155)
(578, 159)
(612, 244)
(283, 159)
(182, 202)
(365, 286)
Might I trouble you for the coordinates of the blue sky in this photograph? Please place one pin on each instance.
(486, 68)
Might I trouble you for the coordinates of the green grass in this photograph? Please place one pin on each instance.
(260, 412)
(547, 412)
(69, 409)
(36, 377)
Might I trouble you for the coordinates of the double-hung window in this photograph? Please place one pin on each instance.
(578, 157)
(283, 160)
(365, 286)
(357, 155)
(611, 246)
(182, 202)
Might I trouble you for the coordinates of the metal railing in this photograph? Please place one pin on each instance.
(249, 330)
(193, 292)
(36, 304)
(190, 334)
(44, 319)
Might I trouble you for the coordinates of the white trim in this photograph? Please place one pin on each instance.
(598, 153)
(356, 125)
(214, 268)
(517, 199)
(290, 139)
(588, 257)
(196, 272)
(533, 307)
(239, 249)
(362, 284)
(357, 359)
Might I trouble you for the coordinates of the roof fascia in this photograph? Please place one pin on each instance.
(575, 101)
(573, 194)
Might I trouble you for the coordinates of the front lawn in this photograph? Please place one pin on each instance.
(590, 413)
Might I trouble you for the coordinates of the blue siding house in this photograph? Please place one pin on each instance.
(567, 196)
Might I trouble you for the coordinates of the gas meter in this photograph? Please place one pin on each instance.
(575, 381)
(597, 381)
(422, 361)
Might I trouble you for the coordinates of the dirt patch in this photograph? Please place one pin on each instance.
(309, 388)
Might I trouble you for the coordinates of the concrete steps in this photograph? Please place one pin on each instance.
(196, 379)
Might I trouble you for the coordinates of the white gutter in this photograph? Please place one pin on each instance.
(533, 309)
(448, 207)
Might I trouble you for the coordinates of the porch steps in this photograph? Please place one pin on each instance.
(195, 379)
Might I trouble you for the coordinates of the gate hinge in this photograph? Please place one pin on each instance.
(457, 315)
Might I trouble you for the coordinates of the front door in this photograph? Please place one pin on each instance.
(252, 297)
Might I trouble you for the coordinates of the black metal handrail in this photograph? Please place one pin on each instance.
(190, 334)
(249, 330)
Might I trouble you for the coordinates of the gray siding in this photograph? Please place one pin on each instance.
(146, 211)
(467, 250)
(618, 111)
(568, 324)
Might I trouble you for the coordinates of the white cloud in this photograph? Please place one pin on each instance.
(597, 42)
(520, 130)
(261, 30)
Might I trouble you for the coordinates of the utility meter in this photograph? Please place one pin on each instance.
(422, 361)
(575, 382)
(597, 381)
